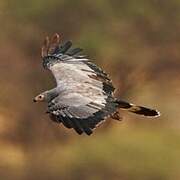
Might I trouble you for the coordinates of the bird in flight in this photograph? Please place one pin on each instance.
(83, 97)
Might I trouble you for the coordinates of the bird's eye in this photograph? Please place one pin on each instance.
(40, 96)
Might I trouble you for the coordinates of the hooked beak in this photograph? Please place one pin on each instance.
(34, 100)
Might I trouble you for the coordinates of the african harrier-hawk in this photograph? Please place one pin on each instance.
(84, 96)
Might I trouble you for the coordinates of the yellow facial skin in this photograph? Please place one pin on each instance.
(39, 98)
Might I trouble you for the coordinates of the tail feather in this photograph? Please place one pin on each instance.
(138, 109)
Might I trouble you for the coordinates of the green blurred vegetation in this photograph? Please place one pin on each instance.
(137, 43)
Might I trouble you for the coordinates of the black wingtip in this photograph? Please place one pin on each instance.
(74, 51)
(65, 47)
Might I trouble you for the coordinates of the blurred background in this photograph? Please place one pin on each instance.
(137, 43)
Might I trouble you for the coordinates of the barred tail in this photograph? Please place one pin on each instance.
(138, 109)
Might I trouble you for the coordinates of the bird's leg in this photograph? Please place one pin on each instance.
(116, 116)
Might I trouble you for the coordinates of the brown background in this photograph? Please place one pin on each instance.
(137, 43)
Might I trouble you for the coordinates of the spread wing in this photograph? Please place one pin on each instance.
(86, 92)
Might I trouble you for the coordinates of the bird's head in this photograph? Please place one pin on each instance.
(40, 98)
(46, 96)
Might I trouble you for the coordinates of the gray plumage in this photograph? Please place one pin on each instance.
(84, 94)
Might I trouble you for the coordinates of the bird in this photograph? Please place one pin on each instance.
(84, 94)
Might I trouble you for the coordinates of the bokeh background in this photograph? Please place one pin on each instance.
(137, 43)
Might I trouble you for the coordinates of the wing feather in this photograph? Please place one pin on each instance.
(74, 51)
